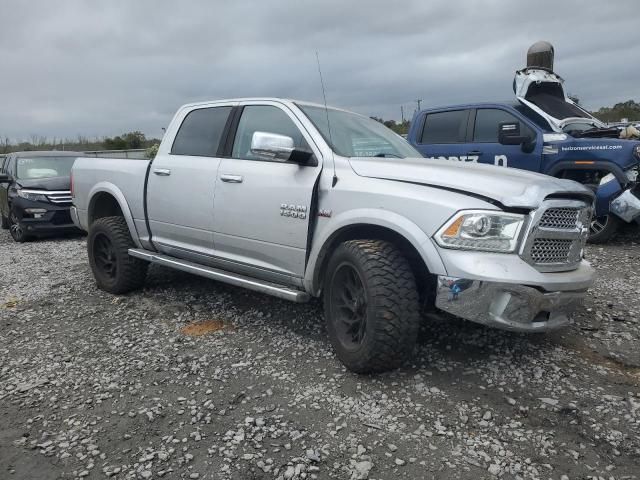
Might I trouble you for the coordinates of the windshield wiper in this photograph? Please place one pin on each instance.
(384, 155)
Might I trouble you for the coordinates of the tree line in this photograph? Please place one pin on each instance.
(126, 141)
(136, 139)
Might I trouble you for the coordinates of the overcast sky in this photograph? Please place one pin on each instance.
(103, 68)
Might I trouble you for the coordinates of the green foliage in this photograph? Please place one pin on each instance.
(126, 141)
(152, 151)
(629, 109)
(401, 128)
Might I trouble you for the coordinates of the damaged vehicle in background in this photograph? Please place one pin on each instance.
(35, 195)
(545, 131)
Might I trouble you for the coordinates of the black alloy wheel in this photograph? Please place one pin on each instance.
(16, 229)
(603, 228)
(105, 256)
(349, 306)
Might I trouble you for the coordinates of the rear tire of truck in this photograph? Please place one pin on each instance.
(602, 229)
(371, 306)
(108, 247)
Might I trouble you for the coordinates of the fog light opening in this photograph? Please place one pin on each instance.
(542, 317)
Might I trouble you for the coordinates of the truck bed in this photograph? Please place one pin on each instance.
(126, 176)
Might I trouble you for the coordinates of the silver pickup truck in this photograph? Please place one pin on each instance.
(298, 201)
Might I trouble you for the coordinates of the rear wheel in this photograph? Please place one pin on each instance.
(371, 306)
(603, 228)
(108, 247)
(17, 229)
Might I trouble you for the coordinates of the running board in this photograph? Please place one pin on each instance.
(222, 276)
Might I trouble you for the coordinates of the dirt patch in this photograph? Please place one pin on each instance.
(198, 329)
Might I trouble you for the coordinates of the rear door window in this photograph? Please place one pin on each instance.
(487, 121)
(445, 127)
(201, 132)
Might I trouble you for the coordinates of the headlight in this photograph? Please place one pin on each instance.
(34, 197)
(636, 152)
(481, 230)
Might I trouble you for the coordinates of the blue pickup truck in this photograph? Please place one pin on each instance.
(543, 131)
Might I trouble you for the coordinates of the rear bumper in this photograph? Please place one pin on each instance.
(506, 306)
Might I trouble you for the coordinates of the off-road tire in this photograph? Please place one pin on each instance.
(392, 305)
(4, 222)
(128, 272)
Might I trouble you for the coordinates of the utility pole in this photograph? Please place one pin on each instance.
(402, 112)
(418, 101)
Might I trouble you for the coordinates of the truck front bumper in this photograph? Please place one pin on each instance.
(506, 306)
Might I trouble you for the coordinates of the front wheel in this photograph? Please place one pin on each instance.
(17, 229)
(371, 306)
(108, 247)
(603, 228)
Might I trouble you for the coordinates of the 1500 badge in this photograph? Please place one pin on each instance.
(498, 160)
(295, 211)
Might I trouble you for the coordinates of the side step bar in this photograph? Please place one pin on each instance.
(222, 276)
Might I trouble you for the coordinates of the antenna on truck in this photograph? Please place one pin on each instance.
(326, 109)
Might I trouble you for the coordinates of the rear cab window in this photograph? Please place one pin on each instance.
(201, 131)
(445, 127)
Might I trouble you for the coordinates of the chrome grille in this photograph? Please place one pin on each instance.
(556, 235)
(549, 250)
(562, 218)
(60, 197)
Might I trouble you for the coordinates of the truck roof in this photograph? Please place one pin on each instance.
(510, 103)
(285, 101)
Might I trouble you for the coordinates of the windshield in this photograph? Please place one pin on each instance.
(357, 136)
(44, 167)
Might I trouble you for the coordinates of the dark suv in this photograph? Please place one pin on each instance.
(35, 194)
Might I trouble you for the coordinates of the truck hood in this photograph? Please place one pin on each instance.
(52, 183)
(542, 90)
(510, 187)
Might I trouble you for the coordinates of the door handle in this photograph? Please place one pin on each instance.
(163, 172)
(475, 152)
(225, 177)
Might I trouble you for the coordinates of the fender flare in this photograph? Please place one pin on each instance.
(115, 192)
(596, 165)
(374, 217)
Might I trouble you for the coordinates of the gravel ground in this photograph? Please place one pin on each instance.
(95, 386)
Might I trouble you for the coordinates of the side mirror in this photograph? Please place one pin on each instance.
(509, 134)
(273, 146)
(4, 178)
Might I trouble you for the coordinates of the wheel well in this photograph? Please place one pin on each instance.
(584, 176)
(426, 282)
(104, 205)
